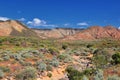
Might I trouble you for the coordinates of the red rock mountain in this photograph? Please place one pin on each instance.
(15, 28)
(96, 32)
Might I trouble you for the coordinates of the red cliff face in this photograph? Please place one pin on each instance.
(96, 32)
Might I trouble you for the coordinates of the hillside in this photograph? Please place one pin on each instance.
(15, 28)
(56, 33)
(96, 32)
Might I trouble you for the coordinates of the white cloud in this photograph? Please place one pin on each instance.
(67, 24)
(38, 22)
(82, 24)
(119, 27)
(4, 18)
(22, 19)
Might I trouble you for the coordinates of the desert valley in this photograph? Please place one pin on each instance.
(59, 39)
(59, 53)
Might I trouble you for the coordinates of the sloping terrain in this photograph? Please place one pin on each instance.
(56, 33)
(15, 28)
(96, 32)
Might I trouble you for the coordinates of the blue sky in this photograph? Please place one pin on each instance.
(62, 13)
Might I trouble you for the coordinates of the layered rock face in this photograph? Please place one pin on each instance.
(96, 32)
(56, 33)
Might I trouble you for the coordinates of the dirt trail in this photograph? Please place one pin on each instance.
(57, 74)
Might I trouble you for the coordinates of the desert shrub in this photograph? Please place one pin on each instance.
(49, 68)
(22, 62)
(53, 51)
(29, 73)
(54, 62)
(89, 71)
(65, 57)
(17, 44)
(74, 74)
(6, 58)
(92, 50)
(85, 78)
(27, 55)
(64, 46)
(4, 69)
(77, 53)
(89, 45)
(84, 53)
(49, 75)
(17, 56)
(34, 51)
(26, 63)
(1, 59)
(38, 54)
(99, 75)
(61, 56)
(100, 58)
(116, 57)
(69, 51)
(41, 66)
(100, 51)
(114, 77)
(5, 55)
(1, 41)
(1, 74)
(68, 59)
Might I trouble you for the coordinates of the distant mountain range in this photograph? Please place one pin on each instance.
(16, 28)
(56, 33)
(96, 32)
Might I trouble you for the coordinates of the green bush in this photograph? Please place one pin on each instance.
(61, 56)
(17, 56)
(49, 68)
(1, 74)
(74, 74)
(65, 57)
(6, 58)
(24, 63)
(85, 78)
(100, 58)
(68, 59)
(29, 73)
(49, 75)
(41, 66)
(54, 62)
(88, 71)
(35, 52)
(114, 77)
(116, 58)
(89, 45)
(64, 46)
(27, 55)
(4, 69)
(53, 51)
(99, 75)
